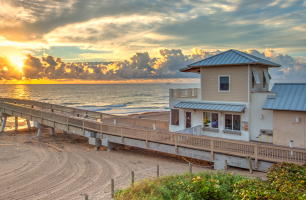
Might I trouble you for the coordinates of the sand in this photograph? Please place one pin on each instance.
(65, 166)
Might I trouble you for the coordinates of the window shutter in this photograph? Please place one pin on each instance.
(255, 74)
(267, 76)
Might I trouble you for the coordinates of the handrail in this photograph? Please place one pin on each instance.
(258, 151)
(147, 123)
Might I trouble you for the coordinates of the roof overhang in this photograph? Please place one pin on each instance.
(221, 107)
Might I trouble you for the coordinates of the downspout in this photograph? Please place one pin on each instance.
(249, 101)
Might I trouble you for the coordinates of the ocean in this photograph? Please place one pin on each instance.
(122, 99)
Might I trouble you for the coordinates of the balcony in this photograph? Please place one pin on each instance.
(189, 93)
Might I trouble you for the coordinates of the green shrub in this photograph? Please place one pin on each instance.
(204, 185)
(285, 181)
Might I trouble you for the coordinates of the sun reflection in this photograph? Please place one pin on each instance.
(20, 92)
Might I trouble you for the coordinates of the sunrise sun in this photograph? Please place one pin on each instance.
(18, 60)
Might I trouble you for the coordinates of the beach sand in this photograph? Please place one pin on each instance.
(65, 166)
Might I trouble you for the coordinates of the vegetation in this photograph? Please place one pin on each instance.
(285, 181)
(204, 185)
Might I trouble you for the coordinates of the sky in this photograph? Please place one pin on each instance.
(112, 41)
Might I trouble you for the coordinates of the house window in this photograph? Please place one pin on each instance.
(175, 114)
(264, 81)
(224, 83)
(232, 122)
(210, 120)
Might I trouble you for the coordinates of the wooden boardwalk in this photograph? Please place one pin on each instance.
(73, 120)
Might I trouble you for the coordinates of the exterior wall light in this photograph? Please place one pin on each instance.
(297, 120)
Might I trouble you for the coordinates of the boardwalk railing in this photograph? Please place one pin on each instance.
(257, 151)
(145, 123)
(195, 130)
(184, 93)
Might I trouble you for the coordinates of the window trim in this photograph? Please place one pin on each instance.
(229, 83)
(178, 117)
(232, 122)
(210, 125)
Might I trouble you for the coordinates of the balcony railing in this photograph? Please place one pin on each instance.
(184, 93)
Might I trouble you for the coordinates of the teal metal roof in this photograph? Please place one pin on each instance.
(289, 96)
(211, 106)
(230, 57)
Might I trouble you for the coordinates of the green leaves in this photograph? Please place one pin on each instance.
(285, 181)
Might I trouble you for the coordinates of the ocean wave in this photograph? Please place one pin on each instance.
(70, 103)
(88, 106)
(118, 105)
(95, 108)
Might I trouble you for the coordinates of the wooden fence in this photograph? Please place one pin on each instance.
(257, 151)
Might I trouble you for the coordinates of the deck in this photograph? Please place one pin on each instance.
(140, 133)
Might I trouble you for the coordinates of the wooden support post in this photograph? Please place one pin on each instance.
(122, 140)
(190, 167)
(3, 124)
(157, 171)
(256, 156)
(175, 142)
(212, 149)
(16, 123)
(112, 188)
(225, 166)
(132, 178)
(250, 164)
(147, 142)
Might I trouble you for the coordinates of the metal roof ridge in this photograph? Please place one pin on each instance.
(244, 55)
(209, 57)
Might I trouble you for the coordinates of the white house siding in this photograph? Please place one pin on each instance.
(257, 101)
(182, 116)
(197, 119)
(244, 134)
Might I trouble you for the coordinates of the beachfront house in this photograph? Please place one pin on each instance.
(234, 102)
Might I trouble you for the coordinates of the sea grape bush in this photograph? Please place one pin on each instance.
(204, 185)
(285, 181)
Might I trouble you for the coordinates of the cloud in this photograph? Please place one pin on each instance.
(8, 70)
(141, 66)
(124, 27)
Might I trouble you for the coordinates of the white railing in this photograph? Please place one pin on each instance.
(196, 130)
(184, 93)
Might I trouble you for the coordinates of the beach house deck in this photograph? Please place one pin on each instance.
(111, 130)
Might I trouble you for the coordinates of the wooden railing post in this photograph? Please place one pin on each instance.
(256, 156)
(175, 142)
(147, 142)
(122, 135)
(212, 149)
